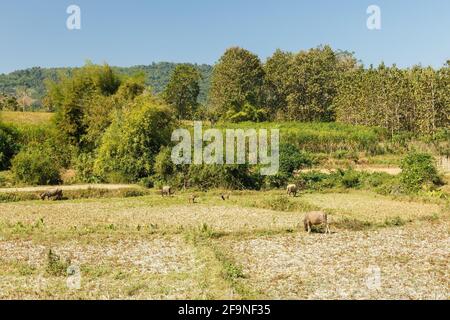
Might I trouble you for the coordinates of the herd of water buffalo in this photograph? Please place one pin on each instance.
(311, 218)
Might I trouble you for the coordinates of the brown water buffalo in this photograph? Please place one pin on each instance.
(55, 194)
(291, 189)
(167, 191)
(316, 218)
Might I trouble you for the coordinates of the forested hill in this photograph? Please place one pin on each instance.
(158, 74)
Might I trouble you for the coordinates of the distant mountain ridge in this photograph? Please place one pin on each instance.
(157, 75)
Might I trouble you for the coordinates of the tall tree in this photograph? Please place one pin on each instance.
(276, 89)
(182, 90)
(312, 81)
(237, 79)
(84, 100)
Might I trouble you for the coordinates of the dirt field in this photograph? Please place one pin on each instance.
(164, 248)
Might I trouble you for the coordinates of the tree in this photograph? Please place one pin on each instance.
(8, 102)
(312, 83)
(418, 169)
(182, 90)
(9, 145)
(237, 79)
(85, 99)
(276, 89)
(35, 165)
(130, 144)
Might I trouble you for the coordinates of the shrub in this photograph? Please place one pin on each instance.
(248, 113)
(164, 167)
(55, 265)
(6, 179)
(377, 179)
(278, 180)
(351, 179)
(223, 176)
(322, 181)
(9, 145)
(35, 165)
(418, 169)
(84, 165)
(147, 182)
(347, 155)
(291, 158)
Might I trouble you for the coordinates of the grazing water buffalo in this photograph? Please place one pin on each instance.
(192, 198)
(292, 190)
(166, 191)
(225, 196)
(57, 194)
(315, 218)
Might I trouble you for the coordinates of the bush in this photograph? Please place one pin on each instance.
(248, 113)
(291, 159)
(418, 169)
(378, 179)
(278, 180)
(351, 179)
(9, 145)
(55, 265)
(164, 167)
(84, 166)
(147, 182)
(35, 165)
(207, 177)
(6, 179)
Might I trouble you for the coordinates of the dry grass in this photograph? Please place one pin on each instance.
(413, 264)
(28, 118)
(164, 248)
(373, 209)
(151, 268)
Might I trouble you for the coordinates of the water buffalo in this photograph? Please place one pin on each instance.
(292, 190)
(166, 191)
(192, 198)
(315, 218)
(225, 196)
(56, 194)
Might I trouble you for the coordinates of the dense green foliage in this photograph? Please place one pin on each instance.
(291, 159)
(418, 170)
(109, 126)
(182, 91)
(415, 100)
(156, 76)
(325, 137)
(319, 84)
(9, 145)
(130, 145)
(8, 102)
(237, 80)
(84, 102)
(35, 165)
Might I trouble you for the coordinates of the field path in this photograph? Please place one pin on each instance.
(393, 170)
(69, 187)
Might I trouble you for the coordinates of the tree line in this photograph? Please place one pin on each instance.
(325, 85)
(320, 84)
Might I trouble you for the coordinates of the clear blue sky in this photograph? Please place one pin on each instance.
(124, 33)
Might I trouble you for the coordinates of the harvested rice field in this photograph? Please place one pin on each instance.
(250, 246)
